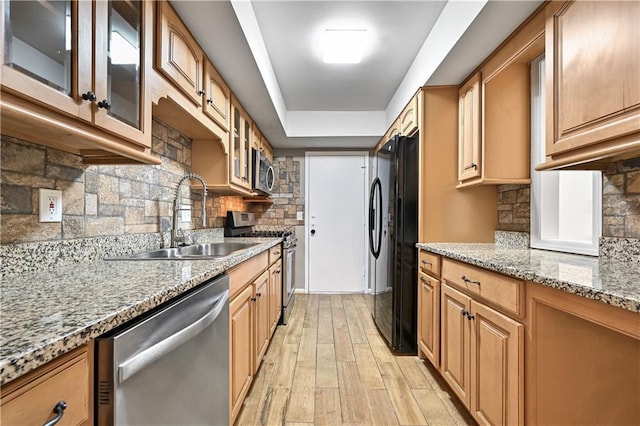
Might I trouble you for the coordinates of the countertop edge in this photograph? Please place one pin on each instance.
(558, 284)
(21, 363)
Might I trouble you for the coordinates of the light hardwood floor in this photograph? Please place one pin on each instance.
(329, 366)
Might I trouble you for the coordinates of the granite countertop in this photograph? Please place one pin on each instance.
(46, 314)
(609, 281)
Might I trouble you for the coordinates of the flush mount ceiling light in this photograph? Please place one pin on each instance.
(341, 46)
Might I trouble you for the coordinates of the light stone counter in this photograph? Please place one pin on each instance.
(46, 314)
(615, 282)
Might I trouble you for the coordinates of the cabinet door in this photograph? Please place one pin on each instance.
(497, 367)
(121, 52)
(429, 318)
(217, 96)
(455, 329)
(275, 294)
(240, 139)
(409, 118)
(469, 140)
(178, 57)
(592, 72)
(261, 319)
(53, 65)
(241, 353)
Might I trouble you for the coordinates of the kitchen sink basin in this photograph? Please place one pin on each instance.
(192, 252)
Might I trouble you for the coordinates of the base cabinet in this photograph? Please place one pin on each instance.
(483, 358)
(241, 359)
(429, 318)
(261, 318)
(275, 295)
(31, 399)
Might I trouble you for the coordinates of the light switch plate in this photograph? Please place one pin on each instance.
(300, 215)
(185, 213)
(50, 205)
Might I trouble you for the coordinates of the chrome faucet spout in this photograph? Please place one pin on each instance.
(176, 235)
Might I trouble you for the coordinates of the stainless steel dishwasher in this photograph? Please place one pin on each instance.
(170, 368)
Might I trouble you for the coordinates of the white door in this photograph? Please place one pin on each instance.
(336, 225)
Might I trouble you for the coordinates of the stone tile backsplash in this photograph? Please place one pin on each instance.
(513, 208)
(621, 200)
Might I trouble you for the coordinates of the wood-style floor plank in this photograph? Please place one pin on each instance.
(330, 366)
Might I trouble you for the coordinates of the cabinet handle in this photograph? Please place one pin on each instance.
(253, 299)
(469, 281)
(470, 316)
(104, 104)
(464, 313)
(201, 92)
(424, 262)
(59, 410)
(424, 280)
(210, 101)
(258, 294)
(89, 96)
(471, 166)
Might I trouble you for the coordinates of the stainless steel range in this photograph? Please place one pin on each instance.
(242, 224)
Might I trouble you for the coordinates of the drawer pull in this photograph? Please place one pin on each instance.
(424, 262)
(469, 281)
(471, 166)
(425, 280)
(59, 410)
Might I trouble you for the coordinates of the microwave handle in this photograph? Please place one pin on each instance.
(270, 177)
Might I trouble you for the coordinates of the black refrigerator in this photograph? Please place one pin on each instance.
(393, 234)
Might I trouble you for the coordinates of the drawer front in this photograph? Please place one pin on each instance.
(429, 263)
(274, 253)
(496, 289)
(34, 401)
(243, 274)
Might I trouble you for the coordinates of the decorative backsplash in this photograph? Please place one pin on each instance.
(513, 208)
(621, 200)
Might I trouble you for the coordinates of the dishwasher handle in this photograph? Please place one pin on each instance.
(160, 349)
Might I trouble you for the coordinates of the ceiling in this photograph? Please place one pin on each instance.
(267, 52)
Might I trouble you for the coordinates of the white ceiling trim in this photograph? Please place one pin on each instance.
(452, 23)
(249, 24)
(335, 123)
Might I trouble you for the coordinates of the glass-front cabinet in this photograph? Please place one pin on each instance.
(52, 58)
(240, 161)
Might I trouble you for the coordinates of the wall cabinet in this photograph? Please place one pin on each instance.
(240, 146)
(592, 83)
(469, 140)
(409, 117)
(495, 114)
(32, 398)
(429, 307)
(80, 84)
(217, 104)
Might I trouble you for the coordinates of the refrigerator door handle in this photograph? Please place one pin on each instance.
(374, 247)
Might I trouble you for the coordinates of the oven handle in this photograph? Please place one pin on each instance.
(134, 364)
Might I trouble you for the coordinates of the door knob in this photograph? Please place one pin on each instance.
(313, 232)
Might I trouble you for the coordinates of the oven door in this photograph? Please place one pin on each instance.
(263, 174)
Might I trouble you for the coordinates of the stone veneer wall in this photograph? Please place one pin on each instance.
(621, 200)
(513, 208)
(97, 200)
(287, 196)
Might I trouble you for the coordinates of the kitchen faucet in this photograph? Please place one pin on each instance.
(176, 235)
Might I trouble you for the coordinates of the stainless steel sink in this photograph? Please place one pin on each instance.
(192, 252)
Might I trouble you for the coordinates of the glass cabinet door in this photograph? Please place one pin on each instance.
(246, 149)
(39, 55)
(118, 60)
(38, 41)
(235, 161)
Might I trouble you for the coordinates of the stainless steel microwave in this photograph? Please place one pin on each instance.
(263, 174)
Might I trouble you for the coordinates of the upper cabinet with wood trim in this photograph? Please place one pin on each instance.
(494, 130)
(592, 83)
(240, 146)
(179, 57)
(409, 118)
(80, 83)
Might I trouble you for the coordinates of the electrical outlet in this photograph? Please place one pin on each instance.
(299, 215)
(50, 205)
